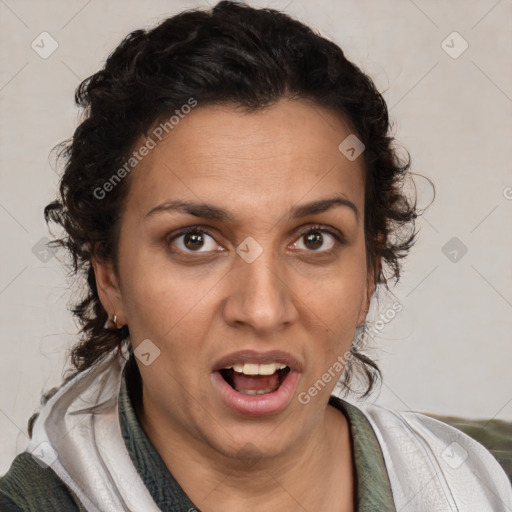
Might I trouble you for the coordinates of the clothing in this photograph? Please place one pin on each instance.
(105, 462)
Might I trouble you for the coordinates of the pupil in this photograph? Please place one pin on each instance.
(314, 240)
(195, 239)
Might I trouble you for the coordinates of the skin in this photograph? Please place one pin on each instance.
(197, 307)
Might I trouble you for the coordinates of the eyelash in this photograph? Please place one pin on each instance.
(338, 237)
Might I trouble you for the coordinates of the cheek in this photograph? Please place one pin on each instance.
(339, 292)
(160, 300)
(159, 305)
(334, 303)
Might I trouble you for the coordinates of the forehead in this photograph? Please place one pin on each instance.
(280, 155)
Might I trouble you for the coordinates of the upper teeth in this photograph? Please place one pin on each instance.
(257, 369)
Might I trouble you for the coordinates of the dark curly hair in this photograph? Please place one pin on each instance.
(230, 54)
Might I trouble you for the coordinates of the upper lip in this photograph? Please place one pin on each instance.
(255, 357)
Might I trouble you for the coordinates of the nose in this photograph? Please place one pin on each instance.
(260, 295)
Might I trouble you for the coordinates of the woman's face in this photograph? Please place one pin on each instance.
(267, 277)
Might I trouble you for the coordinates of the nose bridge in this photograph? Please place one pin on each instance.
(259, 296)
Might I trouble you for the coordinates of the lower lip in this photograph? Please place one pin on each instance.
(257, 405)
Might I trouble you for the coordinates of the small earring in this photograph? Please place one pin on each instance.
(109, 322)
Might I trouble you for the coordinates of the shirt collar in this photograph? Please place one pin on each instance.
(373, 488)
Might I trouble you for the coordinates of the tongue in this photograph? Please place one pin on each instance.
(243, 382)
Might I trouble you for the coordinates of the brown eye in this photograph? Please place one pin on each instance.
(194, 240)
(318, 240)
(313, 240)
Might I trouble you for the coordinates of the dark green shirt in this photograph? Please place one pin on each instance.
(29, 487)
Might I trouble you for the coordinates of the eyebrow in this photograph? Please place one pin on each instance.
(208, 211)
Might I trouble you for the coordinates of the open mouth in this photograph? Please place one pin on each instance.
(248, 380)
(257, 383)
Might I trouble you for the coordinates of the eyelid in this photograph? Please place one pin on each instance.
(198, 228)
(336, 233)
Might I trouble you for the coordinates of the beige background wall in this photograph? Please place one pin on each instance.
(449, 350)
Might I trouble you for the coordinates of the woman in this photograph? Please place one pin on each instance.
(234, 200)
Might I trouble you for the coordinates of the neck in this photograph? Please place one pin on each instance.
(317, 474)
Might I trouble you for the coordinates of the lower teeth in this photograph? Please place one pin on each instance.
(256, 391)
(227, 374)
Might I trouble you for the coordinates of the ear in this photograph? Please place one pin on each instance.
(109, 291)
(371, 284)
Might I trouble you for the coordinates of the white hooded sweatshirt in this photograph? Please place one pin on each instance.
(432, 467)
